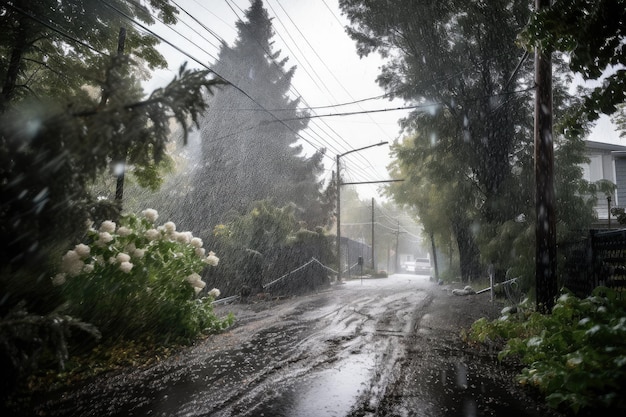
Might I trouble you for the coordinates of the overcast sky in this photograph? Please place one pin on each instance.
(329, 73)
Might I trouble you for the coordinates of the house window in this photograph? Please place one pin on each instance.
(593, 170)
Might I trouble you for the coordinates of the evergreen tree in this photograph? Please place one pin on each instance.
(248, 155)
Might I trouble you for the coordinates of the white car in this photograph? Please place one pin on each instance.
(420, 266)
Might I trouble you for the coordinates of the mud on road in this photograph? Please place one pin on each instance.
(375, 347)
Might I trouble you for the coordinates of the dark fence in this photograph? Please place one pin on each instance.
(599, 260)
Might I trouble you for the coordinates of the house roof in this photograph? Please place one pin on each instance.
(605, 146)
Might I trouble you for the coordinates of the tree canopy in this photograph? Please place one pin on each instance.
(459, 60)
(55, 48)
(593, 36)
(71, 108)
(467, 159)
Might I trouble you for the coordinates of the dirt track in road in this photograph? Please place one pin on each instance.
(379, 347)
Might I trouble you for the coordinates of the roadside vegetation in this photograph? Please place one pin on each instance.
(575, 356)
(73, 112)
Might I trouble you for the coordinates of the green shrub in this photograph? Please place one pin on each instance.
(576, 356)
(29, 342)
(136, 280)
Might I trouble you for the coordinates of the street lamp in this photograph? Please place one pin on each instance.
(339, 204)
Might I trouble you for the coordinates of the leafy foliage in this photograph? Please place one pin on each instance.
(473, 123)
(619, 118)
(51, 155)
(137, 280)
(263, 245)
(54, 48)
(592, 34)
(576, 356)
(28, 341)
(620, 214)
(71, 108)
(467, 158)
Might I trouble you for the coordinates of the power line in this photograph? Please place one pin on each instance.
(412, 107)
(185, 37)
(205, 27)
(59, 31)
(323, 62)
(307, 72)
(161, 38)
(332, 13)
(297, 93)
(260, 108)
(297, 47)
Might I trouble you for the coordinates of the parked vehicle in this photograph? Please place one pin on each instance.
(420, 266)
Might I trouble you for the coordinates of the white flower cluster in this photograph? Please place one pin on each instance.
(81, 259)
(195, 280)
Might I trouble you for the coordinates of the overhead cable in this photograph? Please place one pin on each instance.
(208, 68)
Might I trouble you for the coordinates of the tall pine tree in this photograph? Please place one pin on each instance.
(247, 154)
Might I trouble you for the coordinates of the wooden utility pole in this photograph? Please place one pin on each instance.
(339, 184)
(338, 220)
(545, 227)
(373, 262)
(397, 267)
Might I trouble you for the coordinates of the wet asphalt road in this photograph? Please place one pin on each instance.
(373, 347)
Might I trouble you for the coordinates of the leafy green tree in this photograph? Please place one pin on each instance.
(71, 106)
(56, 140)
(593, 36)
(468, 160)
(52, 48)
(437, 190)
(50, 156)
(262, 245)
(246, 154)
(619, 118)
(458, 60)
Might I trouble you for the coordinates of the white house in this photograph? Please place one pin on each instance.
(607, 161)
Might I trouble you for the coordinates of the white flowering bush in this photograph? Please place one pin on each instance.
(136, 279)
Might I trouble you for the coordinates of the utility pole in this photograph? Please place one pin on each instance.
(339, 203)
(545, 226)
(396, 268)
(608, 202)
(338, 221)
(373, 262)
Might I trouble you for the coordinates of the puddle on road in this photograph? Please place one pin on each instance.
(328, 393)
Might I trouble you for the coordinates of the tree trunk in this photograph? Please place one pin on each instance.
(468, 251)
(13, 69)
